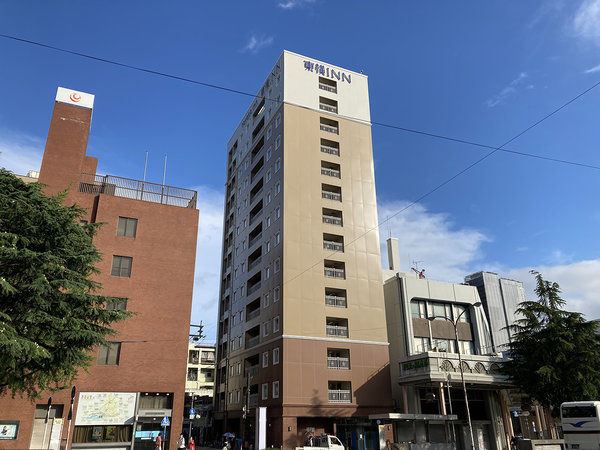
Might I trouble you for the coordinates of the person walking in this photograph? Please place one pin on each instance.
(191, 444)
(158, 442)
(181, 442)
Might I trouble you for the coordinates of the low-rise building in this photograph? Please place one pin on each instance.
(439, 336)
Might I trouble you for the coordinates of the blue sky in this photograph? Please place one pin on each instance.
(479, 71)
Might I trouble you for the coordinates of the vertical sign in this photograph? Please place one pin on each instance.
(260, 437)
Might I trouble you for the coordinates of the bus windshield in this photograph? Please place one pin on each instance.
(578, 411)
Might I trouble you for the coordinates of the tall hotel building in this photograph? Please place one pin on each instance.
(302, 327)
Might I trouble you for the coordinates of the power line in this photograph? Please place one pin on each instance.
(248, 94)
(453, 177)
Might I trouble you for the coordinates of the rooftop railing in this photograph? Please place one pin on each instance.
(137, 190)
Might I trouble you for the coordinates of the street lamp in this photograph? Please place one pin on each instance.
(462, 373)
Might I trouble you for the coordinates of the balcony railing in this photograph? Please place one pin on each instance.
(331, 272)
(253, 288)
(331, 196)
(256, 216)
(328, 108)
(136, 189)
(332, 245)
(328, 88)
(254, 263)
(330, 172)
(254, 195)
(210, 360)
(253, 400)
(330, 150)
(334, 300)
(329, 129)
(332, 220)
(336, 362)
(252, 371)
(337, 331)
(252, 342)
(340, 396)
(251, 315)
(255, 239)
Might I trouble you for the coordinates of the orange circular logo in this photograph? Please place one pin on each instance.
(75, 97)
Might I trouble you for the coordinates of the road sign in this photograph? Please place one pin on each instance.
(165, 422)
(192, 411)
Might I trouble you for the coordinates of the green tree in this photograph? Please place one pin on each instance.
(51, 313)
(555, 354)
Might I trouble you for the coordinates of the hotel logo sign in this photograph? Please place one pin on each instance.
(325, 71)
(75, 98)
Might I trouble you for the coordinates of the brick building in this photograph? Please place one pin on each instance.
(148, 243)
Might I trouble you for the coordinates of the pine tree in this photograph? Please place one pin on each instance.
(555, 354)
(52, 313)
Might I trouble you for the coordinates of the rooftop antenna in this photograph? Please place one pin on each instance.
(387, 220)
(162, 188)
(144, 179)
(415, 269)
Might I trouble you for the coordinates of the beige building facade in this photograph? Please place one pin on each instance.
(302, 317)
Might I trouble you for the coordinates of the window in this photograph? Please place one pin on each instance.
(276, 324)
(266, 300)
(121, 266)
(277, 164)
(275, 389)
(421, 344)
(192, 374)
(277, 265)
(268, 199)
(268, 176)
(462, 313)
(440, 311)
(268, 222)
(267, 273)
(278, 142)
(232, 345)
(83, 222)
(269, 153)
(443, 345)
(269, 132)
(265, 391)
(237, 396)
(277, 238)
(108, 355)
(239, 368)
(127, 227)
(276, 294)
(267, 246)
(278, 119)
(265, 359)
(418, 309)
(277, 212)
(230, 371)
(266, 329)
(277, 188)
(230, 398)
(119, 304)
(276, 356)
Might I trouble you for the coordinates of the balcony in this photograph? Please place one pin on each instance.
(337, 331)
(253, 400)
(334, 362)
(332, 220)
(137, 190)
(335, 300)
(339, 396)
(328, 108)
(252, 315)
(329, 128)
(254, 239)
(252, 289)
(335, 246)
(328, 88)
(252, 371)
(252, 342)
(256, 262)
(330, 172)
(331, 196)
(330, 150)
(332, 272)
(431, 366)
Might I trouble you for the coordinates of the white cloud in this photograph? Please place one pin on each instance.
(257, 43)
(291, 4)
(446, 252)
(205, 304)
(510, 89)
(579, 283)
(586, 23)
(549, 8)
(20, 153)
(593, 69)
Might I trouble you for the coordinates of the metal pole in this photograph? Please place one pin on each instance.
(190, 434)
(46, 423)
(451, 413)
(163, 183)
(144, 179)
(462, 377)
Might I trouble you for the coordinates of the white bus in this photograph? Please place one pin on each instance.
(581, 425)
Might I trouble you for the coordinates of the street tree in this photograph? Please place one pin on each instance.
(52, 313)
(554, 354)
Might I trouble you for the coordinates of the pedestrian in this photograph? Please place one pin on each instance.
(191, 444)
(158, 442)
(181, 441)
